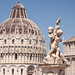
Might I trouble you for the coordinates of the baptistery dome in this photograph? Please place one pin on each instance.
(18, 22)
(22, 46)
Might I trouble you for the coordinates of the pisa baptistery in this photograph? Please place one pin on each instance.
(22, 46)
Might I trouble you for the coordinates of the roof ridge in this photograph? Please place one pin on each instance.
(69, 40)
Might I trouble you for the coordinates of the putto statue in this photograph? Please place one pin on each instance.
(54, 52)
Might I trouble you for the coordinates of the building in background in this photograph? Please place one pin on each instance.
(69, 53)
(22, 46)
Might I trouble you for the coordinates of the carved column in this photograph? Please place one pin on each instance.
(0, 58)
(23, 58)
(12, 58)
(7, 58)
(4, 58)
(17, 58)
(26, 58)
(32, 58)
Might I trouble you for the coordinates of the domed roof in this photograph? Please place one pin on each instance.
(18, 22)
(18, 5)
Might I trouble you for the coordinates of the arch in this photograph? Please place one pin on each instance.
(12, 66)
(50, 73)
(68, 59)
(32, 31)
(61, 72)
(30, 68)
(73, 58)
(13, 69)
(5, 41)
(21, 66)
(3, 66)
(22, 41)
(13, 41)
(22, 70)
(30, 41)
(35, 32)
(4, 70)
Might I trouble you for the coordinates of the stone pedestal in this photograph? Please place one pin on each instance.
(53, 66)
(53, 69)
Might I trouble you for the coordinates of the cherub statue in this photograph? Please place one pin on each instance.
(54, 35)
(55, 49)
(51, 35)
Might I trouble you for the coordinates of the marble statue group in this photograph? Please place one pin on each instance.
(54, 35)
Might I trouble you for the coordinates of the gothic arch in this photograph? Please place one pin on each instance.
(3, 66)
(21, 66)
(12, 66)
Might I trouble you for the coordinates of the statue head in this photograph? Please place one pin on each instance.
(57, 27)
(50, 30)
(59, 32)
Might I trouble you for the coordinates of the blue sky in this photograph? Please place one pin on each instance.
(45, 13)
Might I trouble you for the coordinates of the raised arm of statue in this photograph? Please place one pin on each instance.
(58, 21)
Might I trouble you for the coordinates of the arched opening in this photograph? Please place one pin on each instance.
(18, 13)
(21, 71)
(30, 56)
(50, 73)
(61, 72)
(29, 30)
(12, 71)
(21, 41)
(22, 13)
(30, 70)
(29, 41)
(13, 41)
(5, 41)
(35, 32)
(32, 31)
(3, 71)
(15, 56)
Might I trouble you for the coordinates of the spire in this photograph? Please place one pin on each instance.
(18, 1)
(18, 11)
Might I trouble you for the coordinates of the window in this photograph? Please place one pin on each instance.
(35, 32)
(12, 71)
(5, 41)
(14, 13)
(18, 15)
(22, 41)
(15, 56)
(22, 13)
(29, 30)
(31, 68)
(1, 55)
(69, 45)
(13, 41)
(32, 31)
(29, 41)
(3, 71)
(21, 71)
(31, 57)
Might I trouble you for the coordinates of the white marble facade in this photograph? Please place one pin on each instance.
(69, 53)
(22, 46)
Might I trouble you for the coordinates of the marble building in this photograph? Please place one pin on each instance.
(22, 46)
(69, 53)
